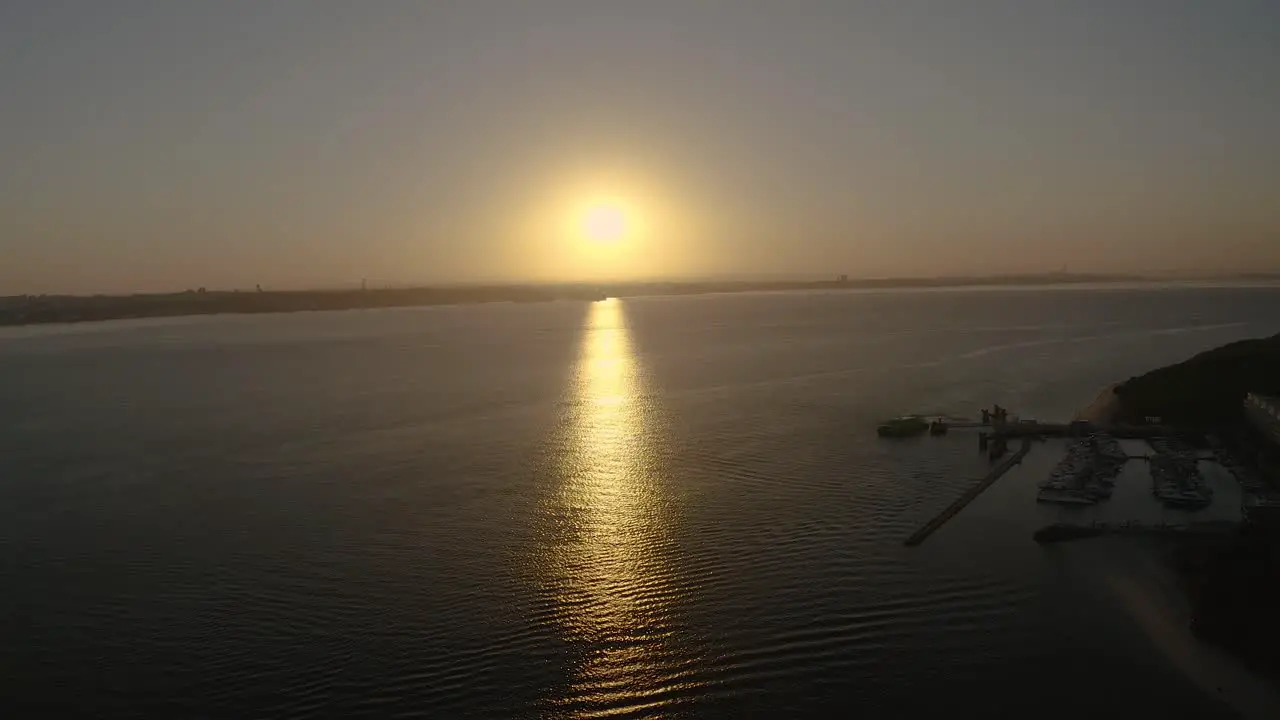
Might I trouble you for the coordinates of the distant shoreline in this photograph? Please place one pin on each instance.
(47, 309)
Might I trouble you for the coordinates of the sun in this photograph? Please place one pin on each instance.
(604, 223)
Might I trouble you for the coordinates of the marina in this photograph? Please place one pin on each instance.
(1162, 477)
(1086, 474)
(1175, 476)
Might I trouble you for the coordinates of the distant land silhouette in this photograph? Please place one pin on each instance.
(35, 309)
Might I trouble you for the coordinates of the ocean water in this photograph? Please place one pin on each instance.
(649, 507)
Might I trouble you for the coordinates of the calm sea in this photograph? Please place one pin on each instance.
(643, 507)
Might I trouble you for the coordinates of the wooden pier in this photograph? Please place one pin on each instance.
(994, 474)
(1079, 429)
(1062, 532)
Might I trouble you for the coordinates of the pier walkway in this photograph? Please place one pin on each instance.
(1039, 429)
(1060, 532)
(994, 474)
(1030, 428)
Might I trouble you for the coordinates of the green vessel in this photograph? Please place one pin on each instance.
(905, 426)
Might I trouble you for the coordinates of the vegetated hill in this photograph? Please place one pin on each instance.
(1207, 389)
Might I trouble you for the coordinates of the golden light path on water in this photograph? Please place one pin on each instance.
(611, 578)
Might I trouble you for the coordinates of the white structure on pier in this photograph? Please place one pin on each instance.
(1264, 413)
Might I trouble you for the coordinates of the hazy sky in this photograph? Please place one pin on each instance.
(174, 143)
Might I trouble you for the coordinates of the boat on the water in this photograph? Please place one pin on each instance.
(905, 426)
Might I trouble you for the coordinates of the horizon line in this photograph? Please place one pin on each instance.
(796, 279)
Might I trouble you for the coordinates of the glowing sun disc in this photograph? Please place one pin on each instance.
(604, 223)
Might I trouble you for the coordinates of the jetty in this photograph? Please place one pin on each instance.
(1061, 532)
(985, 482)
(1079, 428)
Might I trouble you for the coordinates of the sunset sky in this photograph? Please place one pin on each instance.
(164, 145)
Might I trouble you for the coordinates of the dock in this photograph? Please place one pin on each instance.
(1077, 429)
(987, 480)
(1061, 532)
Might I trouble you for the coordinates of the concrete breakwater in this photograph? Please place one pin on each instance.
(985, 482)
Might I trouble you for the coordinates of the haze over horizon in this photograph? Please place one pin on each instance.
(160, 146)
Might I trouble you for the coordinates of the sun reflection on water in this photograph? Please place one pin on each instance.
(610, 577)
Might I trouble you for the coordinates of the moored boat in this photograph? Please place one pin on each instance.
(905, 426)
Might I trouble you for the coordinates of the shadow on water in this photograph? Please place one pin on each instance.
(604, 566)
(1136, 575)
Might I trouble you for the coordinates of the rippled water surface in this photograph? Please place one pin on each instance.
(641, 507)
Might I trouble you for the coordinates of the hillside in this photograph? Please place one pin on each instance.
(1206, 389)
